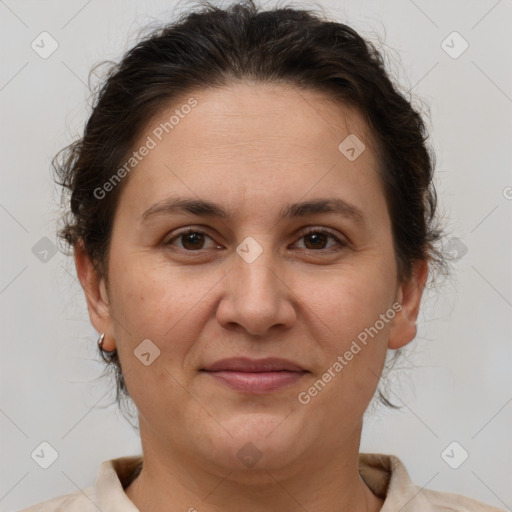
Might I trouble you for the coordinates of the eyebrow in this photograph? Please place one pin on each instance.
(177, 205)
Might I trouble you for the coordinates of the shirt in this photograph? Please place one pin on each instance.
(385, 475)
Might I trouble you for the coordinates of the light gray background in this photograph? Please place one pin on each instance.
(460, 386)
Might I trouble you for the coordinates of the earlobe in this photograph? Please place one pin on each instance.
(404, 329)
(95, 293)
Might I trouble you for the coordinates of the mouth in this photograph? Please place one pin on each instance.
(255, 375)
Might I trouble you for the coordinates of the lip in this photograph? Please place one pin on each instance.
(255, 375)
(245, 364)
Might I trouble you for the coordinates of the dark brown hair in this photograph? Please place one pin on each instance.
(214, 47)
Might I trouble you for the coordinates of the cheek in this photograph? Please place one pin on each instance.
(165, 304)
(152, 296)
(153, 304)
(353, 312)
(349, 300)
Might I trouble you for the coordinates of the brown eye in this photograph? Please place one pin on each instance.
(191, 240)
(317, 238)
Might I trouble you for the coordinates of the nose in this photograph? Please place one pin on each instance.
(257, 298)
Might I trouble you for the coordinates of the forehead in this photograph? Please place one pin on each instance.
(272, 114)
(251, 140)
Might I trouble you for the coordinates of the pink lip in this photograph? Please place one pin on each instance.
(260, 382)
(244, 364)
(256, 375)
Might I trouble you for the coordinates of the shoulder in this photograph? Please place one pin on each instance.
(82, 501)
(388, 478)
(444, 501)
(106, 494)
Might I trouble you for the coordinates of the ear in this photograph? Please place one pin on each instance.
(403, 329)
(95, 294)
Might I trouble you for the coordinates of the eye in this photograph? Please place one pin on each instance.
(193, 240)
(316, 238)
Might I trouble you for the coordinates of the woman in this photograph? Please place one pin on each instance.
(252, 218)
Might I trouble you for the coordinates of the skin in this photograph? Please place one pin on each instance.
(252, 148)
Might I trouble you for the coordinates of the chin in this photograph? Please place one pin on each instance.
(259, 443)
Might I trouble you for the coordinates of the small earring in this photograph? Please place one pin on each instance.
(103, 351)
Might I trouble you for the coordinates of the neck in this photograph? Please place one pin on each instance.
(327, 482)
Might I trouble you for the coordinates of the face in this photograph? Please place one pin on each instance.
(300, 266)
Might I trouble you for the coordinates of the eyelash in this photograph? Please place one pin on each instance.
(302, 234)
